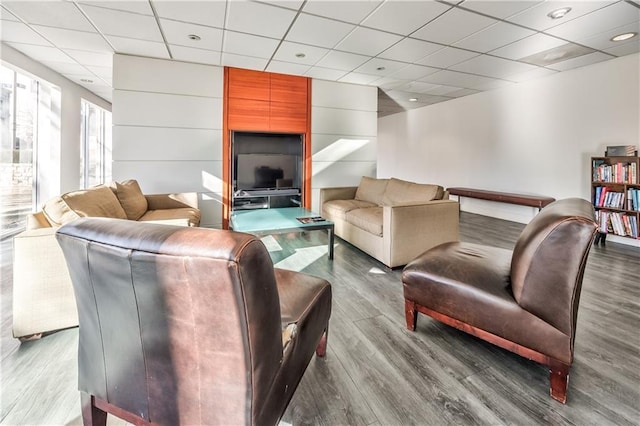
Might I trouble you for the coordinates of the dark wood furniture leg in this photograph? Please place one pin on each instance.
(559, 380)
(91, 415)
(411, 314)
(321, 349)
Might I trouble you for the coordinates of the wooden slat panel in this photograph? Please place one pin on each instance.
(287, 117)
(248, 84)
(289, 89)
(248, 114)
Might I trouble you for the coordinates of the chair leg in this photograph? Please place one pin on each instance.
(91, 415)
(411, 314)
(321, 349)
(559, 380)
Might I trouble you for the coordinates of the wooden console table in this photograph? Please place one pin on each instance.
(538, 201)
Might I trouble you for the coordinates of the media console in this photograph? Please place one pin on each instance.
(266, 199)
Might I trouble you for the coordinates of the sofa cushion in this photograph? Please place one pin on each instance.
(400, 192)
(337, 209)
(368, 219)
(131, 199)
(187, 216)
(98, 201)
(371, 190)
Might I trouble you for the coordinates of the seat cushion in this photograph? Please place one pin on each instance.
(131, 199)
(399, 192)
(368, 219)
(371, 190)
(186, 216)
(471, 283)
(98, 201)
(338, 209)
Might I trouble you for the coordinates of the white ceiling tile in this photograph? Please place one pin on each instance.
(132, 46)
(98, 59)
(357, 78)
(597, 21)
(349, 11)
(446, 57)
(190, 54)
(463, 92)
(499, 9)
(318, 31)
(389, 83)
(289, 4)
(442, 90)
(371, 67)
(413, 72)
(124, 24)
(531, 75)
(325, 73)
(493, 37)
(258, 18)
(410, 50)
(528, 46)
(178, 33)
(602, 41)
(416, 87)
(536, 16)
(135, 6)
(59, 14)
(625, 49)
(102, 72)
(459, 79)
(492, 67)
(209, 13)
(42, 53)
(581, 61)
(249, 45)
(494, 84)
(287, 52)
(240, 61)
(287, 68)
(367, 42)
(404, 17)
(74, 39)
(20, 33)
(5, 15)
(342, 61)
(454, 25)
(66, 68)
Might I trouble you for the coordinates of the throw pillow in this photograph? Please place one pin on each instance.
(371, 190)
(132, 199)
(98, 201)
(400, 192)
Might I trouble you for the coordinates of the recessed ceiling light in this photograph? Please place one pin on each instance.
(413, 99)
(86, 80)
(194, 37)
(381, 68)
(623, 37)
(559, 13)
(300, 55)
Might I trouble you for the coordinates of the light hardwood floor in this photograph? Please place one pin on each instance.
(378, 373)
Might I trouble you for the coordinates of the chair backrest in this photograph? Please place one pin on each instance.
(549, 259)
(177, 325)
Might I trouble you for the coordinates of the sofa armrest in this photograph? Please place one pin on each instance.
(37, 220)
(172, 201)
(410, 230)
(337, 193)
(43, 298)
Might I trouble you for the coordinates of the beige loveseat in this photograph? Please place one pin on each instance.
(43, 298)
(391, 219)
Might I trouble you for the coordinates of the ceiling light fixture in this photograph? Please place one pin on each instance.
(623, 37)
(194, 37)
(559, 13)
(86, 80)
(381, 68)
(300, 55)
(413, 99)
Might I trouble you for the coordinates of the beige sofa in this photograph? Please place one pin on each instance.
(43, 298)
(391, 219)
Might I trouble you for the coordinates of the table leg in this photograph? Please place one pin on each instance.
(330, 234)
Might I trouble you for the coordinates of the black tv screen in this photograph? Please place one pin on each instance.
(266, 171)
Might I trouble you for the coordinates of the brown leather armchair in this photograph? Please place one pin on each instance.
(525, 300)
(188, 325)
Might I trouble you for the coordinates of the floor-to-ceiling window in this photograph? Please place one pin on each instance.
(96, 145)
(24, 104)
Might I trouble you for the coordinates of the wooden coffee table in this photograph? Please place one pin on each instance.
(280, 221)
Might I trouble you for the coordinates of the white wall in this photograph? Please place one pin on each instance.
(167, 129)
(534, 137)
(61, 171)
(343, 135)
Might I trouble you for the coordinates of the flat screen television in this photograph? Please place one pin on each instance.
(267, 171)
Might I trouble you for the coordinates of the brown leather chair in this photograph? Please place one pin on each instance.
(188, 325)
(525, 300)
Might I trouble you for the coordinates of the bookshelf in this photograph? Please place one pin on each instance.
(615, 193)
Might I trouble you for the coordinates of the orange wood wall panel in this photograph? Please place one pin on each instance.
(284, 117)
(248, 84)
(248, 114)
(289, 89)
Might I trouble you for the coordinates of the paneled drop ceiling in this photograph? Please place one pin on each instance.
(424, 51)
